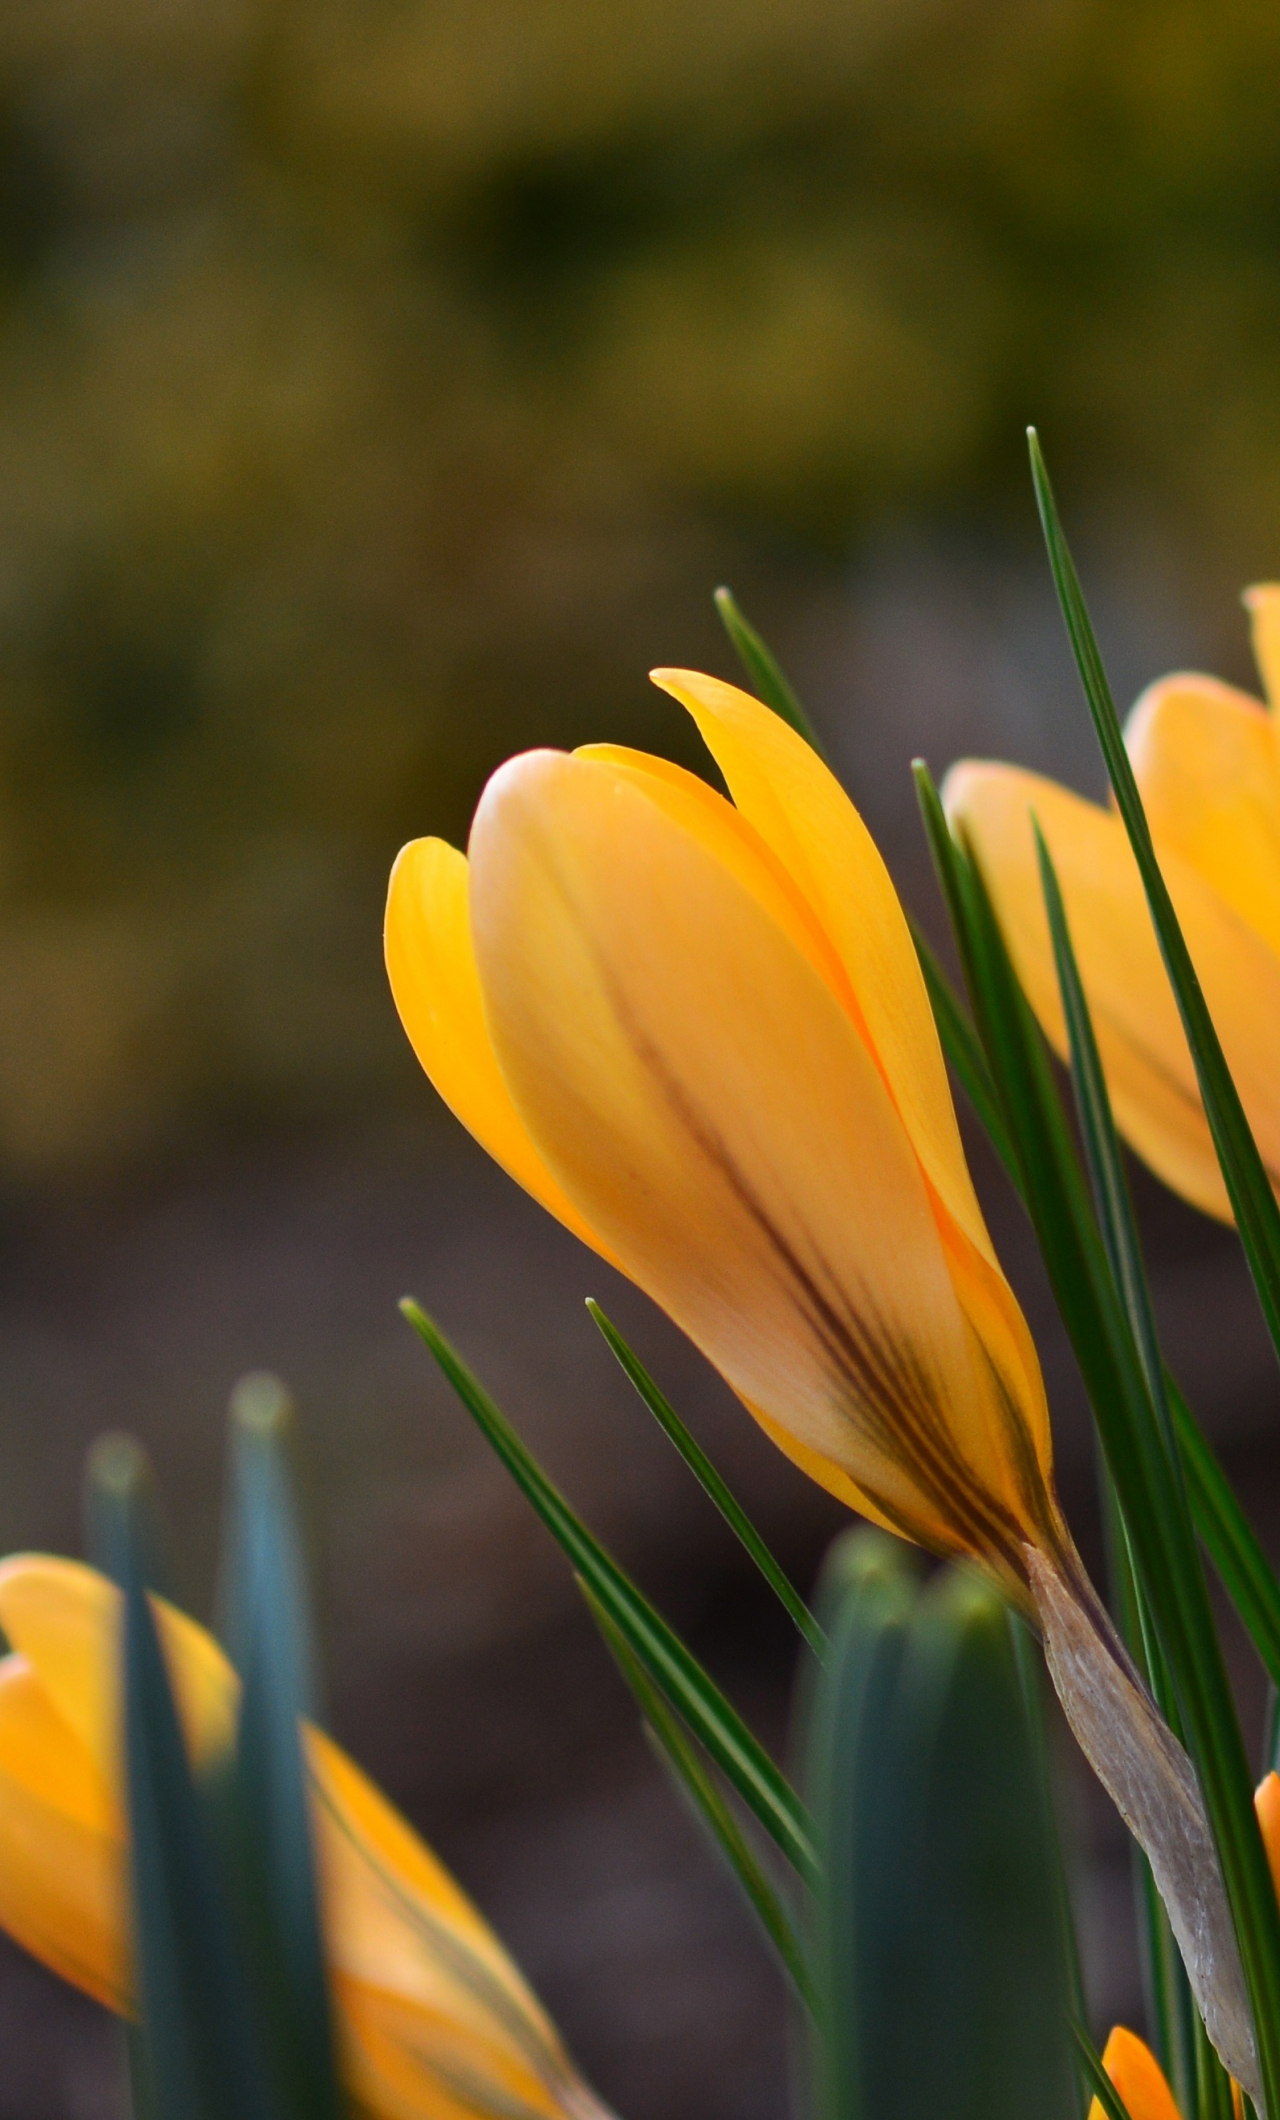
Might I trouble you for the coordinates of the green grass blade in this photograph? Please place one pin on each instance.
(764, 670)
(1212, 2087)
(709, 1479)
(685, 1765)
(267, 1633)
(206, 2060)
(1248, 1185)
(1229, 1538)
(1145, 1476)
(676, 1672)
(1112, 1200)
(963, 1048)
(1099, 2082)
(1230, 1541)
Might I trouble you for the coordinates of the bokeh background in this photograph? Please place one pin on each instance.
(384, 386)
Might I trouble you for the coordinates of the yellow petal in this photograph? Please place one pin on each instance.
(431, 2005)
(1206, 761)
(1138, 2077)
(1266, 1803)
(434, 2018)
(1148, 1066)
(431, 966)
(800, 810)
(415, 2063)
(64, 1618)
(698, 1089)
(985, 1296)
(814, 832)
(1263, 605)
(737, 846)
(396, 1917)
(62, 1883)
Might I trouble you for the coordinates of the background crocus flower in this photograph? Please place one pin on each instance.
(697, 1031)
(1138, 2077)
(434, 2022)
(1207, 761)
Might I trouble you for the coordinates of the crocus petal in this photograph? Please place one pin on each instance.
(1263, 605)
(63, 1618)
(737, 846)
(1266, 1803)
(1140, 1037)
(800, 810)
(435, 2022)
(1138, 2077)
(62, 1890)
(697, 1088)
(397, 1921)
(1207, 764)
(807, 822)
(406, 2063)
(432, 969)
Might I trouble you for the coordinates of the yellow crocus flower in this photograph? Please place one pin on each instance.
(1138, 2077)
(434, 2022)
(696, 1030)
(1207, 761)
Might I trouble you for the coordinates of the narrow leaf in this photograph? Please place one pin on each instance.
(684, 1763)
(1099, 2081)
(1196, 2071)
(672, 1667)
(1253, 1201)
(1232, 1545)
(266, 1629)
(709, 1479)
(1229, 1538)
(205, 2057)
(1154, 1508)
(963, 1048)
(763, 669)
(1111, 1195)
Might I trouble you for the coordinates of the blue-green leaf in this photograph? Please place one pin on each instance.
(942, 1968)
(204, 2051)
(266, 1630)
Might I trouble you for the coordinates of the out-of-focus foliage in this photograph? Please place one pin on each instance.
(371, 370)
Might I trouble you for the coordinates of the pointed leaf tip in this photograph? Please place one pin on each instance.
(260, 1403)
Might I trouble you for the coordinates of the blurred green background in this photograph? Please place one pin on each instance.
(384, 385)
